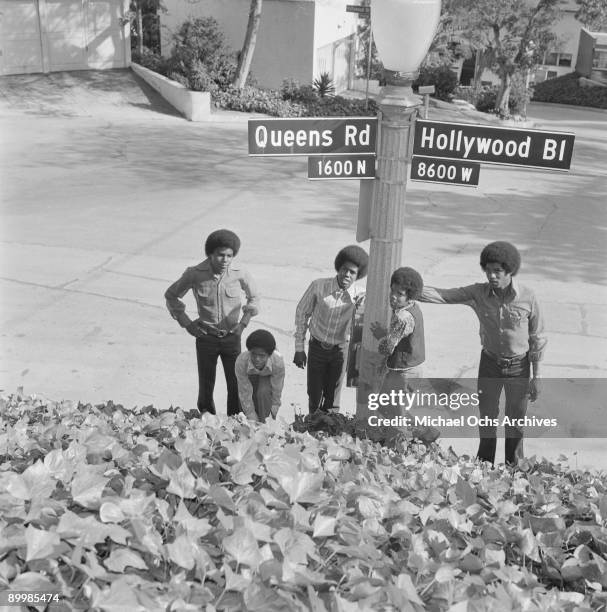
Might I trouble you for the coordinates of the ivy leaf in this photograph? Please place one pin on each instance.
(235, 582)
(302, 486)
(221, 497)
(120, 597)
(324, 526)
(182, 552)
(40, 544)
(193, 526)
(111, 513)
(405, 583)
(120, 558)
(182, 482)
(87, 488)
(465, 492)
(242, 545)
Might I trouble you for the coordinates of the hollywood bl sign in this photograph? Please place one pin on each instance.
(494, 145)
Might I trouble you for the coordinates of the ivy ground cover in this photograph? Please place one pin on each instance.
(143, 509)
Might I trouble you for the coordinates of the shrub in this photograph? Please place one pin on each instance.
(149, 59)
(567, 90)
(519, 96)
(338, 106)
(443, 79)
(252, 100)
(293, 91)
(324, 86)
(201, 56)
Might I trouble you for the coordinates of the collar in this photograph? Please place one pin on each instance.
(267, 367)
(512, 288)
(205, 266)
(407, 306)
(352, 290)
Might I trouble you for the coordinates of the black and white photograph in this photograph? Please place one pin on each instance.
(304, 305)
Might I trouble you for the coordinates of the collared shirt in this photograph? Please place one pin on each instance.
(509, 325)
(274, 368)
(327, 310)
(402, 324)
(218, 297)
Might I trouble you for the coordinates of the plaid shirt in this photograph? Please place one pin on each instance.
(327, 311)
(510, 325)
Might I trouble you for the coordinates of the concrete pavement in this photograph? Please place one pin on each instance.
(105, 205)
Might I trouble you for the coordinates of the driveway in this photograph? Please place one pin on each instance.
(86, 93)
(107, 195)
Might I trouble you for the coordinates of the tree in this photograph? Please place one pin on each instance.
(248, 48)
(144, 23)
(593, 14)
(512, 36)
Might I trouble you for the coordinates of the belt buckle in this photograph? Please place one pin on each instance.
(326, 346)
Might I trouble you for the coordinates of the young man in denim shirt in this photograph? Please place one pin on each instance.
(217, 284)
(513, 341)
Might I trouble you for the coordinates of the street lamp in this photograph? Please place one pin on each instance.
(403, 31)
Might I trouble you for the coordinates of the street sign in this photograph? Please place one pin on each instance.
(341, 167)
(436, 170)
(494, 145)
(426, 89)
(362, 11)
(313, 136)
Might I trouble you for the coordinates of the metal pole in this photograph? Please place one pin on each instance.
(398, 106)
(368, 66)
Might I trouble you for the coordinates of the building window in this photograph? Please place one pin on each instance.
(551, 74)
(600, 60)
(565, 59)
(551, 59)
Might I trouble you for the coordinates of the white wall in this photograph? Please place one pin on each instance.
(334, 41)
(285, 39)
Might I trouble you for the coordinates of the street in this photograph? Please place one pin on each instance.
(104, 205)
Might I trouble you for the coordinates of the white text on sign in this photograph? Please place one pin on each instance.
(313, 136)
(534, 148)
(454, 171)
(341, 167)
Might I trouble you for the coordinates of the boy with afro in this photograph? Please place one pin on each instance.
(260, 372)
(403, 342)
(217, 285)
(512, 339)
(326, 309)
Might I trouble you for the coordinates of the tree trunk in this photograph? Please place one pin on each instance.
(139, 28)
(248, 47)
(503, 96)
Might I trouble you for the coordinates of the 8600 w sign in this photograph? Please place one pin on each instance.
(437, 170)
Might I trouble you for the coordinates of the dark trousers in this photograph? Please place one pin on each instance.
(208, 349)
(514, 380)
(325, 371)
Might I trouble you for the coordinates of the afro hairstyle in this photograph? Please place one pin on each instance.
(222, 239)
(356, 255)
(502, 253)
(409, 279)
(261, 339)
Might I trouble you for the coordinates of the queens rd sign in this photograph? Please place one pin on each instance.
(494, 145)
(313, 136)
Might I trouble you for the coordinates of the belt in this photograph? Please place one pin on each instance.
(324, 345)
(505, 362)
